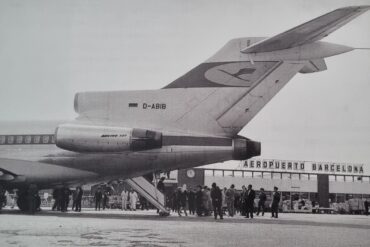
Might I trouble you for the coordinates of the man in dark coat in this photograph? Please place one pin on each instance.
(243, 205)
(57, 196)
(32, 198)
(98, 196)
(160, 185)
(105, 199)
(199, 201)
(78, 199)
(2, 197)
(182, 196)
(366, 205)
(66, 192)
(261, 202)
(250, 196)
(191, 201)
(216, 200)
(275, 203)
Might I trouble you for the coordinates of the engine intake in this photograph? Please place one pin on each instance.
(85, 138)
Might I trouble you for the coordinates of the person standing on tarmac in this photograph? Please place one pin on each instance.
(243, 204)
(74, 199)
(160, 185)
(250, 196)
(191, 201)
(199, 201)
(133, 200)
(206, 196)
(2, 197)
(216, 201)
(230, 197)
(366, 205)
(261, 202)
(32, 198)
(66, 192)
(275, 203)
(57, 196)
(78, 199)
(124, 197)
(98, 196)
(182, 195)
(105, 199)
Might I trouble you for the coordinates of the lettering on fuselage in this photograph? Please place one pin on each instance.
(154, 106)
(121, 135)
(26, 139)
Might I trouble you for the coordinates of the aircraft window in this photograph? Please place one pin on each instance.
(276, 175)
(10, 139)
(257, 174)
(19, 139)
(313, 177)
(45, 139)
(27, 139)
(2, 139)
(36, 139)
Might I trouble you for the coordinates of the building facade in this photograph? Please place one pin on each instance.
(320, 182)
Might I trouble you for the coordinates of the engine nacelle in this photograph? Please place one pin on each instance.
(245, 149)
(85, 138)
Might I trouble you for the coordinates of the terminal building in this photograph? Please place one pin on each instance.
(319, 182)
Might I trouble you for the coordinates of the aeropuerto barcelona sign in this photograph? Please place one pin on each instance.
(304, 166)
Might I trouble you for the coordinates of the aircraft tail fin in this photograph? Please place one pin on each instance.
(220, 96)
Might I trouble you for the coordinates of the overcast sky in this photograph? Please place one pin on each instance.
(49, 50)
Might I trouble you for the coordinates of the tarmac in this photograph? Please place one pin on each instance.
(146, 228)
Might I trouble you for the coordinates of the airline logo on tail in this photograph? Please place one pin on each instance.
(223, 74)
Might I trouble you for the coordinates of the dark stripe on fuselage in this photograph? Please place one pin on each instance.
(27, 139)
(195, 141)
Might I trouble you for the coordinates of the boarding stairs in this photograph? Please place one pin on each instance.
(149, 192)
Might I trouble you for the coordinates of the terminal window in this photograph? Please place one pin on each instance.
(257, 174)
(304, 176)
(266, 175)
(276, 175)
(238, 174)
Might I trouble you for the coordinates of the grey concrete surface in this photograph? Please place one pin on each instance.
(144, 228)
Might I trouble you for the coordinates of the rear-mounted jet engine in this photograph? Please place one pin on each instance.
(85, 138)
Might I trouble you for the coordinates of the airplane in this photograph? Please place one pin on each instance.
(192, 121)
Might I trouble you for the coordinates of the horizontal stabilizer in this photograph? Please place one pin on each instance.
(314, 66)
(308, 32)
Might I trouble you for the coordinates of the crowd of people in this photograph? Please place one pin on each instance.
(203, 200)
(62, 198)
